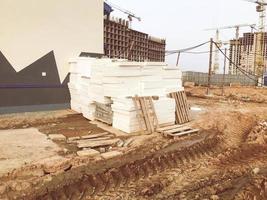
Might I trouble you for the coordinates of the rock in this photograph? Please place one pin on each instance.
(57, 137)
(157, 148)
(56, 164)
(102, 150)
(256, 170)
(111, 154)
(88, 153)
(214, 197)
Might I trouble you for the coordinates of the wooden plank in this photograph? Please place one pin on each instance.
(169, 127)
(143, 113)
(182, 107)
(144, 108)
(178, 107)
(140, 115)
(186, 133)
(154, 112)
(93, 139)
(166, 124)
(177, 117)
(177, 130)
(186, 105)
(95, 135)
(94, 144)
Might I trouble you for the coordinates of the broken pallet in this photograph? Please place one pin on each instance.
(146, 113)
(182, 108)
(176, 131)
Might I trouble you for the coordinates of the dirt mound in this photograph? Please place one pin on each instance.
(258, 133)
(233, 127)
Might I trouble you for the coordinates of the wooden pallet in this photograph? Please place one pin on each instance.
(104, 113)
(147, 118)
(182, 108)
(176, 131)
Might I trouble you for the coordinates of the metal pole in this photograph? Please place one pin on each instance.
(237, 52)
(210, 66)
(178, 59)
(224, 70)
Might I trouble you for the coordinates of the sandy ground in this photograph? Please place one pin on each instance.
(22, 147)
(226, 160)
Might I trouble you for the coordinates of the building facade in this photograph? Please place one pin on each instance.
(243, 53)
(37, 39)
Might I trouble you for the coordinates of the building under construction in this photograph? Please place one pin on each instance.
(120, 41)
(243, 53)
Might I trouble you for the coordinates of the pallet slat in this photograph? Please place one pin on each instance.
(169, 127)
(186, 133)
(182, 108)
(146, 113)
(177, 130)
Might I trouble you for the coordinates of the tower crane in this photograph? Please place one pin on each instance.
(216, 64)
(260, 38)
(127, 12)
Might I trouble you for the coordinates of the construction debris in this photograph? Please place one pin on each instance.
(57, 137)
(94, 144)
(111, 154)
(128, 142)
(93, 136)
(146, 113)
(88, 153)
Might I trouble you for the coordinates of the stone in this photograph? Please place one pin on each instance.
(57, 137)
(214, 197)
(55, 164)
(256, 170)
(71, 139)
(102, 150)
(111, 154)
(88, 153)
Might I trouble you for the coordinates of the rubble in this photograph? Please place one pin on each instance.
(111, 154)
(88, 153)
(57, 137)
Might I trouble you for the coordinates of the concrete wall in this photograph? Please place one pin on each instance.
(37, 38)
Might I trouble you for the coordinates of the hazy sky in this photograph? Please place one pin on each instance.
(182, 23)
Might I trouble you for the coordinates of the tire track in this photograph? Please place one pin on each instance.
(93, 185)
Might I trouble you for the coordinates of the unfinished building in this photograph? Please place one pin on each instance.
(120, 41)
(243, 53)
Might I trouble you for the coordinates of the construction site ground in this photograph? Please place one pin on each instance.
(227, 159)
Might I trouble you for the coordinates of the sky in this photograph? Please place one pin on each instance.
(183, 22)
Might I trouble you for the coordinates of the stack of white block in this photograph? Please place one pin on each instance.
(79, 86)
(125, 114)
(114, 81)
